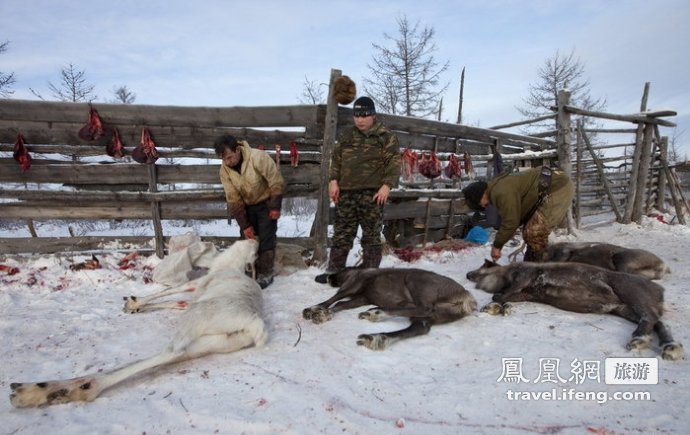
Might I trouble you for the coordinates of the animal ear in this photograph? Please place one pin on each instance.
(489, 263)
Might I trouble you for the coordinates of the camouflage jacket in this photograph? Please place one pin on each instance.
(366, 160)
(514, 195)
(258, 180)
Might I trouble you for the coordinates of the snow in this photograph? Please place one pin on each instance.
(59, 323)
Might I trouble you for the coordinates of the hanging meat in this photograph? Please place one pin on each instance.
(146, 151)
(21, 154)
(409, 163)
(112, 143)
(429, 166)
(94, 127)
(294, 155)
(452, 169)
(469, 169)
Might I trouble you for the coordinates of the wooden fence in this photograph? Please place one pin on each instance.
(72, 179)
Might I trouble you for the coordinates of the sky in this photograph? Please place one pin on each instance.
(313, 379)
(229, 53)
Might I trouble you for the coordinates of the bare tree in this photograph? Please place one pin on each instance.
(73, 86)
(405, 77)
(123, 95)
(558, 73)
(674, 152)
(312, 93)
(6, 79)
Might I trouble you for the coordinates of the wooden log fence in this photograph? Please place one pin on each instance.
(72, 179)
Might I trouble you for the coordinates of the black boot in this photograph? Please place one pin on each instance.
(264, 268)
(371, 256)
(336, 262)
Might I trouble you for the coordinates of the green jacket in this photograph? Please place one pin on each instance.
(514, 195)
(366, 160)
(259, 180)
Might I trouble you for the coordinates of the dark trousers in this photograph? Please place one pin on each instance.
(264, 227)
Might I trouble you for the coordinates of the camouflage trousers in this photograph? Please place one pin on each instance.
(536, 231)
(357, 208)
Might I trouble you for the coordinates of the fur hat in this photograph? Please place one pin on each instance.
(344, 90)
(364, 106)
(473, 194)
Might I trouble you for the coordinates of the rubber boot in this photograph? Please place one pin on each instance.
(336, 262)
(371, 256)
(264, 268)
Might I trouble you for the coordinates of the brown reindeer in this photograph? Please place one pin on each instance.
(581, 288)
(427, 298)
(612, 257)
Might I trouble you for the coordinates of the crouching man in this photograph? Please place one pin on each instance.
(536, 199)
(254, 191)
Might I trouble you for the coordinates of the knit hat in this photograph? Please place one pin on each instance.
(473, 194)
(364, 106)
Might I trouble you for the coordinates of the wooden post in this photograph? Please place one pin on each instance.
(563, 141)
(673, 184)
(323, 209)
(661, 185)
(462, 90)
(156, 211)
(578, 176)
(643, 172)
(632, 185)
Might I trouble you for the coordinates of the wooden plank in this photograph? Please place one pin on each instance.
(185, 136)
(143, 244)
(637, 118)
(134, 173)
(153, 116)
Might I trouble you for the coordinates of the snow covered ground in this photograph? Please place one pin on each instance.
(308, 379)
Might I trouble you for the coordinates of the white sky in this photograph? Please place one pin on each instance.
(251, 53)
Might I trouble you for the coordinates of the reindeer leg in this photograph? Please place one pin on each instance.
(642, 337)
(378, 314)
(670, 350)
(380, 341)
(87, 388)
(321, 312)
(135, 304)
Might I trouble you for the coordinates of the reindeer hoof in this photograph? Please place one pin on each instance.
(639, 343)
(132, 305)
(494, 308)
(372, 315)
(672, 351)
(373, 341)
(317, 314)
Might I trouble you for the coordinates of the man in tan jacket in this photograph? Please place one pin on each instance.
(254, 191)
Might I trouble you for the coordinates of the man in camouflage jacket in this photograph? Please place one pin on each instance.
(254, 191)
(516, 197)
(365, 166)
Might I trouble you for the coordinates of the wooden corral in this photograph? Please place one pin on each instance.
(72, 179)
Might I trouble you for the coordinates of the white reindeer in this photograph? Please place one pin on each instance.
(226, 316)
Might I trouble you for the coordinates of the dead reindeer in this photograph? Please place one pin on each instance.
(612, 257)
(427, 298)
(581, 288)
(136, 304)
(225, 317)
